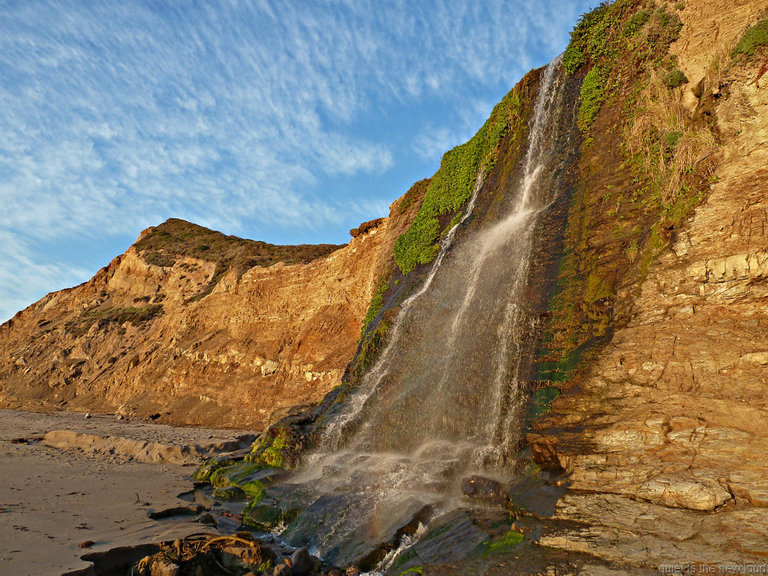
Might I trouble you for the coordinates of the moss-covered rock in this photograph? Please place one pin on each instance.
(263, 516)
(230, 494)
(250, 477)
(203, 473)
(504, 544)
(274, 449)
(542, 401)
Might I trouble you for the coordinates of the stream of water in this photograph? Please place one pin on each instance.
(444, 398)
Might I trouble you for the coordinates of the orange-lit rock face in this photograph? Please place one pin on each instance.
(150, 339)
(671, 419)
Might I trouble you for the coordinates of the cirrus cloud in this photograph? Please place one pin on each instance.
(285, 121)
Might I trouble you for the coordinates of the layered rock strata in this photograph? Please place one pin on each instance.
(167, 334)
(664, 438)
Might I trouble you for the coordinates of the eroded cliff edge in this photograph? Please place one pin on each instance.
(190, 326)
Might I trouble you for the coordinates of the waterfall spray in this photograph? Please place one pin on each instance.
(443, 399)
(332, 436)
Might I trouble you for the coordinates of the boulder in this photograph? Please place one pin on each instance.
(230, 494)
(163, 567)
(484, 489)
(301, 562)
(282, 570)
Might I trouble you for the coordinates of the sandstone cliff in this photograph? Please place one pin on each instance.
(654, 335)
(193, 327)
(669, 420)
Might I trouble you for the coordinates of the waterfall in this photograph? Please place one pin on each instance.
(333, 435)
(444, 397)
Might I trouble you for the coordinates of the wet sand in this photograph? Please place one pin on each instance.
(54, 499)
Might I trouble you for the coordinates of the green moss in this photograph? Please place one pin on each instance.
(573, 58)
(269, 450)
(682, 207)
(505, 544)
(596, 288)
(230, 494)
(636, 22)
(273, 456)
(675, 78)
(565, 361)
(451, 186)
(253, 489)
(541, 403)
(203, 474)
(262, 516)
(375, 307)
(654, 246)
(753, 38)
(370, 347)
(414, 570)
(238, 474)
(592, 97)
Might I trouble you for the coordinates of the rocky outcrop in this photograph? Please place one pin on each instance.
(664, 437)
(141, 450)
(192, 327)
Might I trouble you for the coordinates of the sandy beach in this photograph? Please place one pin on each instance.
(93, 486)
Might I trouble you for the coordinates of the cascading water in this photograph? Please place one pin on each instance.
(444, 397)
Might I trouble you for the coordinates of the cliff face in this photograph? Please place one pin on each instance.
(192, 327)
(670, 418)
(655, 258)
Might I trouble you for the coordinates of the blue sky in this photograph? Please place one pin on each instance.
(286, 121)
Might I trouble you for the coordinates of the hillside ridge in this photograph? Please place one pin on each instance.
(192, 326)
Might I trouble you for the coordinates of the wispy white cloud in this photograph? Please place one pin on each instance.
(22, 274)
(433, 142)
(242, 115)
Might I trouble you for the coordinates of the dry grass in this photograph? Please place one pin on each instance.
(715, 73)
(695, 153)
(661, 143)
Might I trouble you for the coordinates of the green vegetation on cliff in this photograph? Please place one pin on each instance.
(173, 239)
(754, 38)
(451, 186)
(644, 167)
(106, 316)
(636, 22)
(491, 154)
(675, 78)
(610, 32)
(375, 307)
(591, 98)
